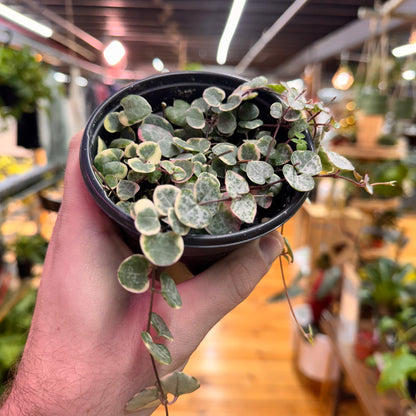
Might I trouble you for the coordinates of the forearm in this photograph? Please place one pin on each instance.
(60, 383)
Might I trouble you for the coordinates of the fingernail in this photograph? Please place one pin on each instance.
(271, 246)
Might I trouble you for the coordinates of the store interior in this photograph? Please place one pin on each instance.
(351, 273)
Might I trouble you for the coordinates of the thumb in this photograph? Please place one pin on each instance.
(219, 289)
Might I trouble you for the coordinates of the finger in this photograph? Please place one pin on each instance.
(219, 289)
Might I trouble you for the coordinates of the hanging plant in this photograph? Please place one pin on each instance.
(22, 82)
(219, 158)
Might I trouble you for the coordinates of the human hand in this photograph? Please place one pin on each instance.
(84, 353)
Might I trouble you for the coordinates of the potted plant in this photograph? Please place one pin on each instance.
(29, 250)
(192, 165)
(22, 81)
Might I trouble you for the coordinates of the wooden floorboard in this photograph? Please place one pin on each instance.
(245, 364)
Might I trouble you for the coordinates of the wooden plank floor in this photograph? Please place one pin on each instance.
(245, 364)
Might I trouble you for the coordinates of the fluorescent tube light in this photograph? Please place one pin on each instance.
(25, 21)
(404, 50)
(229, 30)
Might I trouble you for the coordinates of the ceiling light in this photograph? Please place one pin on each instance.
(404, 50)
(409, 75)
(158, 64)
(61, 77)
(25, 21)
(114, 52)
(343, 78)
(230, 27)
(81, 81)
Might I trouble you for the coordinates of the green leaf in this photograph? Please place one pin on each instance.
(163, 249)
(223, 222)
(195, 118)
(213, 96)
(160, 326)
(396, 371)
(259, 172)
(250, 124)
(133, 273)
(127, 189)
(148, 132)
(138, 165)
(112, 123)
(232, 103)
(176, 113)
(175, 224)
(100, 145)
(302, 183)
(248, 151)
(111, 181)
(159, 351)
(164, 198)
(131, 150)
(340, 161)
(306, 161)
(136, 108)
(227, 123)
(235, 184)
(187, 166)
(107, 155)
(200, 145)
(245, 208)
(327, 165)
(206, 189)
(248, 111)
(179, 383)
(120, 143)
(277, 187)
(190, 212)
(282, 154)
(147, 220)
(149, 152)
(227, 153)
(157, 120)
(117, 169)
(201, 104)
(169, 291)
(263, 144)
(124, 206)
(276, 110)
(145, 399)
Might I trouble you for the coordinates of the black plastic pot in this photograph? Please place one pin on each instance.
(200, 250)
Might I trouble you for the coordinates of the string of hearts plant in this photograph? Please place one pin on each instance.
(178, 172)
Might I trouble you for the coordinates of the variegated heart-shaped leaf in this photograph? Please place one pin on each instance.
(213, 96)
(135, 109)
(169, 291)
(127, 189)
(147, 219)
(164, 197)
(306, 161)
(259, 172)
(158, 351)
(190, 212)
(244, 208)
(302, 182)
(162, 249)
(133, 273)
(235, 184)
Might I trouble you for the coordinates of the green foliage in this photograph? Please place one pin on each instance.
(13, 333)
(30, 248)
(22, 78)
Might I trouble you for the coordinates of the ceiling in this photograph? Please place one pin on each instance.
(184, 33)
